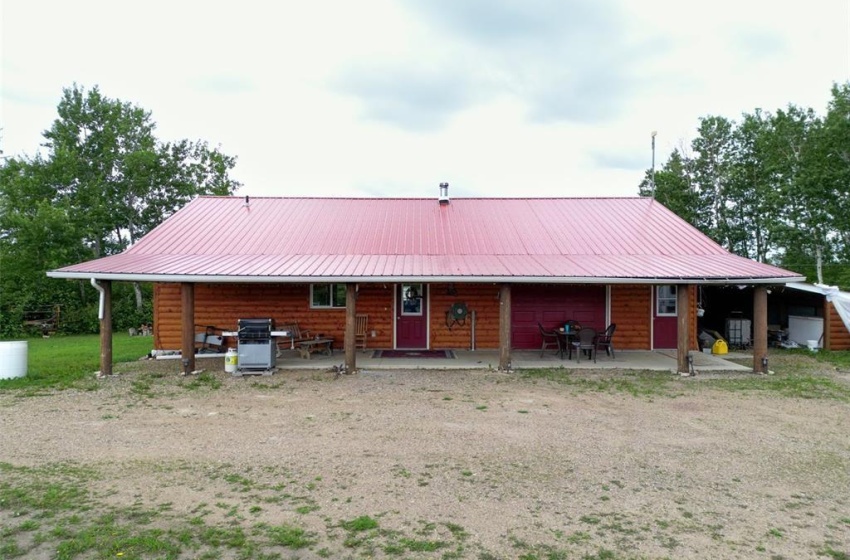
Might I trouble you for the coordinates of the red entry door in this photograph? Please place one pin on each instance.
(411, 316)
(665, 322)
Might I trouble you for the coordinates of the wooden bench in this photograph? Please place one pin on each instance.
(308, 347)
(296, 335)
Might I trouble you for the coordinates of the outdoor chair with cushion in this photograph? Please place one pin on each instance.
(586, 342)
(605, 339)
(550, 340)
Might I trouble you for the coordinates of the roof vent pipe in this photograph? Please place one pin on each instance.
(444, 193)
(247, 202)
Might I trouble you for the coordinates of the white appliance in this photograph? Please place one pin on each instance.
(803, 329)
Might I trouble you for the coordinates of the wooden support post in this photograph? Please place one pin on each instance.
(760, 330)
(683, 309)
(350, 336)
(505, 327)
(106, 329)
(187, 345)
(827, 324)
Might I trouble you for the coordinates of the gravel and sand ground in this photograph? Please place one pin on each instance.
(428, 464)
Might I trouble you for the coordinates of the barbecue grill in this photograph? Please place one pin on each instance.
(256, 347)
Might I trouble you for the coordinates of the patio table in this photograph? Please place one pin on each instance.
(566, 339)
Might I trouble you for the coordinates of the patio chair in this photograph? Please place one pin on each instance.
(586, 342)
(605, 340)
(360, 336)
(550, 340)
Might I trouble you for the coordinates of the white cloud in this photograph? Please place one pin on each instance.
(334, 98)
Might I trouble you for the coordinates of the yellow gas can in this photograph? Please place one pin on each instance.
(720, 347)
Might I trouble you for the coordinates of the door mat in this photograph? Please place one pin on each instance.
(414, 354)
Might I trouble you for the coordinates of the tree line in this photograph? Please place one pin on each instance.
(102, 180)
(773, 186)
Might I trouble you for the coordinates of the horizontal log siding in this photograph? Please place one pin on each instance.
(838, 338)
(481, 298)
(631, 309)
(222, 305)
(166, 316)
(377, 302)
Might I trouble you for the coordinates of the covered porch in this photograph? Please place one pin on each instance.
(685, 357)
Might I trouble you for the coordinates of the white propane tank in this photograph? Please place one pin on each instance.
(231, 360)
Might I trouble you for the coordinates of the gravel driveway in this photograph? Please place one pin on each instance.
(478, 464)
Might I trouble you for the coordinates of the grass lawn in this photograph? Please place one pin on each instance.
(62, 361)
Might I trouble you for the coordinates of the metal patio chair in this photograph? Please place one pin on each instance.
(605, 340)
(550, 340)
(586, 342)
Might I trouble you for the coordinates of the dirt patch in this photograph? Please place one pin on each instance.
(463, 464)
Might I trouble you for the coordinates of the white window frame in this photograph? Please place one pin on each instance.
(666, 298)
(330, 293)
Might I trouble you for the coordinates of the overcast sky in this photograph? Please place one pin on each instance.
(381, 98)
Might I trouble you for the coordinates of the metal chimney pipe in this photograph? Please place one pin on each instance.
(444, 193)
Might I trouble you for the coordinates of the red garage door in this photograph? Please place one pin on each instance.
(553, 305)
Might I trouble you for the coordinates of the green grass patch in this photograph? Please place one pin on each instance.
(289, 537)
(205, 380)
(798, 383)
(362, 523)
(802, 386)
(830, 552)
(415, 545)
(62, 362)
(638, 383)
(55, 504)
(47, 490)
(839, 359)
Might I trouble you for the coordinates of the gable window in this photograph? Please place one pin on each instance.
(327, 295)
(665, 301)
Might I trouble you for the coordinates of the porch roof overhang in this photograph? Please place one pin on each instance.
(220, 279)
(723, 268)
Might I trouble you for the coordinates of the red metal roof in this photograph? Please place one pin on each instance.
(517, 239)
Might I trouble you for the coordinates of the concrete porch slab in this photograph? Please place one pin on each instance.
(661, 360)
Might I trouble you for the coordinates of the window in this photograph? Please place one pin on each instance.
(411, 303)
(327, 295)
(665, 301)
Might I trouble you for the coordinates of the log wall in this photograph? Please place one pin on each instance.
(837, 337)
(221, 305)
(483, 299)
(631, 310)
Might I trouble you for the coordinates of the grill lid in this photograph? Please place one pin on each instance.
(255, 328)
